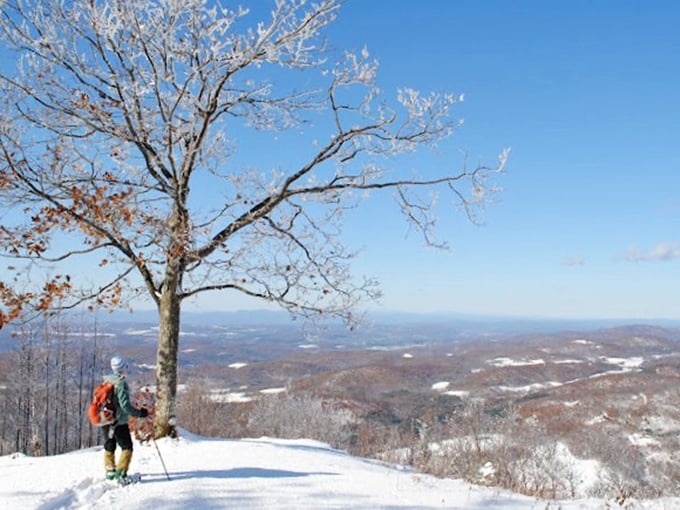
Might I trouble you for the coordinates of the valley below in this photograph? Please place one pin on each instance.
(553, 410)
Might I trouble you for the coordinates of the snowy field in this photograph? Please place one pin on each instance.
(253, 474)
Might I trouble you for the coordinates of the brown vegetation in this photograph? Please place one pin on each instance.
(519, 413)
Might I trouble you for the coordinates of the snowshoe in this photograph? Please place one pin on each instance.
(130, 479)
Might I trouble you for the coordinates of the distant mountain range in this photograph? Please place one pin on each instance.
(509, 324)
(391, 327)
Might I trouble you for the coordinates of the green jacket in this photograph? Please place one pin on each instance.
(125, 408)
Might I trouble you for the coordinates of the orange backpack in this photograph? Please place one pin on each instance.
(102, 409)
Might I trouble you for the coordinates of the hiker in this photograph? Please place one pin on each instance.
(119, 432)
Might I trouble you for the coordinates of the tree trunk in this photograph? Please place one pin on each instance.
(166, 359)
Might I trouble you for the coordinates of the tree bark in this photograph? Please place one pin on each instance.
(166, 369)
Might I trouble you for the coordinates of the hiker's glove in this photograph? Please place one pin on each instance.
(143, 412)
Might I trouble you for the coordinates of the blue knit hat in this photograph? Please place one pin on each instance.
(118, 364)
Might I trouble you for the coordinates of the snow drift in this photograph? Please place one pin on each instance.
(251, 473)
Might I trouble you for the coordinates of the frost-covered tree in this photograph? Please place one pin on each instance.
(121, 121)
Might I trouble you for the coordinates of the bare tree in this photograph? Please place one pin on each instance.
(118, 147)
(24, 390)
(49, 389)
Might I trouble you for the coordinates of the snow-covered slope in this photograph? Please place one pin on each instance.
(253, 474)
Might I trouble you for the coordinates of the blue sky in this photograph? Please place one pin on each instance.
(586, 94)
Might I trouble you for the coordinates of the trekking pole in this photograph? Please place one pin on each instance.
(160, 457)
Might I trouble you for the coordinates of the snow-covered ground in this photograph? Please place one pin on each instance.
(253, 474)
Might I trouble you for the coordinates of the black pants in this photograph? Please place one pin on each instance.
(119, 435)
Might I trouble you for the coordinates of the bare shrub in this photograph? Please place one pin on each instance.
(201, 414)
(384, 442)
(300, 416)
(495, 447)
(624, 472)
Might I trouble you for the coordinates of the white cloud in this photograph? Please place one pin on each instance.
(573, 261)
(661, 252)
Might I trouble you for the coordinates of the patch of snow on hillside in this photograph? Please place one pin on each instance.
(141, 332)
(84, 334)
(659, 425)
(273, 391)
(642, 397)
(601, 418)
(486, 472)
(457, 393)
(509, 362)
(191, 333)
(586, 472)
(230, 397)
(625, 363)
(407, 355)
(188, 350)
(439, 386)
(582, 341)
(530, 387)
(638, 439)
(567, 361)
(236, 366)
(308, 346)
